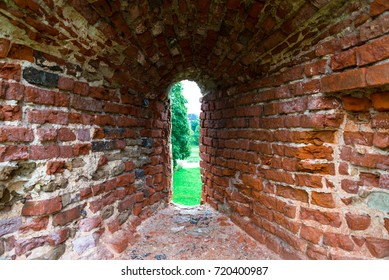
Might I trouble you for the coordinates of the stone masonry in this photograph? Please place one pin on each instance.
(295, 120)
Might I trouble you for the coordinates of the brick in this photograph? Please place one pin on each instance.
(46, 134)
(9, 225)
(54, 167)
(378, 247)
(10, 113)
(373, 51)
(9, 71)
(58, 237)
(377, 75)
(325, 218)
(67, 216)
(87, 224)
(380, 101)
(47, 116)
(42, 207)
(305, 180)
(44, 152)
(65, 134)
(374, 28)
(381, 120)
(11, 91)
(40, 96)
(378, 7)
(127, 203)
(338, 241)
(311, 234)
(292, 193)
(81, 149)
(355, 104)
(278, 176)
(358, 222)
(35, 224)
(24, 245)
(286, 223)
(16, 134)
(350, 186)
(119, 241)
(315, 152)
(81, 88)
(319, 168)
(358, 138)
(328, 47)
(384, 181)
(86, 104)
(21, 52)
(39, 77)
(369, 179)
(317, 252)
(386, 224)
(65, 83)
(323, 199)
(5, 46)
(323, 103)
(315, 68)
(344, 60)
(349, 80)
(11, 153)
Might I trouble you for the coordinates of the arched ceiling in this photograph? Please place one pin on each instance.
(148, 44)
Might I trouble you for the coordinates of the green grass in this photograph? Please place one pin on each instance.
(187, 186)
(194, 154)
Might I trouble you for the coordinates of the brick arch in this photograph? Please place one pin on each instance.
(294, 132)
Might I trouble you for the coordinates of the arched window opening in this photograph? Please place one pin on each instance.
(185, 108)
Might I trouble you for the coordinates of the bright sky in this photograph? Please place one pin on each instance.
(193, 94)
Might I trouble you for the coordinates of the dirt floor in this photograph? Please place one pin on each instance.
(190, 233)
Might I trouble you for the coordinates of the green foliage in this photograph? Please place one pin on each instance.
(187, 186)
(196, 136)
(181, 132)
(195, 126)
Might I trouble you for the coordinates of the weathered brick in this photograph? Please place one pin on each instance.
(17, 152)
(44, 152)
(380, 101)
(39, 77)
(348, 80)
(65, 134)
(344, 60)
(10, 113)
(65, 83)
(323, 199)
(292, 193)
(378, 6)
(88, 224)
(67, 216)
(86, 104)
(34, 224)
(325, 218)
(10, 71)
(11, 91)
(16, 134)
(42, 207)
(355, 104)
(377, 75)
(378, 247)
(358, 222)
(5, 45)
(311, 234)
(338, 241)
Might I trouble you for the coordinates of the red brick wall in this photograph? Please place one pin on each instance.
(299, 158)
(77, 160)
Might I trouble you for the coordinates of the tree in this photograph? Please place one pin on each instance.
(181, 132)
(196, 135)
(195, 126)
